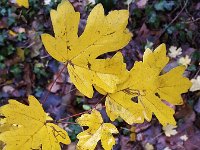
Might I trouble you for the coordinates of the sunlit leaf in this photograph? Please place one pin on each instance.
(33, 129)
(102, 34)
(97, 131)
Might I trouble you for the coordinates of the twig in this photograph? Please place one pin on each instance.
(192, 21)
(60, 120)
(171, 22)
(46, 96)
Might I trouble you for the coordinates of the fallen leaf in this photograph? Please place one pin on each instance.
(195, 84)
(132, 134)
(166, 148)
(34, 129)
(184, 137)
(141, 3)
(20, 53)
(91, 2)
(35, 43)
(149, 146)
(102, 34)
(174, 52)
(12, 33)
(8, 89)
(97, 131)
(184, 61)
(169, 130)
(143, 92)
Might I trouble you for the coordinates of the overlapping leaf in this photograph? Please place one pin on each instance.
(97, 131)
(33, 131)
(102, 34)
(148, 89)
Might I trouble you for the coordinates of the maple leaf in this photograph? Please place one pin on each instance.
(185, 61)
(195, 84)
(102, 34)
(24, 3)
(174, 52)
(149, 146)
(97, 131)
(169, 130)
(144, 90)
(33, 131)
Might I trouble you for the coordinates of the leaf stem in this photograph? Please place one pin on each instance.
(60, 120)
(59, 74)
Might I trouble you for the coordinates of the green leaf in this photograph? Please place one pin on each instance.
(86, 107)
(15, 70)
(164, 5)
(2, 58)
(192, 68)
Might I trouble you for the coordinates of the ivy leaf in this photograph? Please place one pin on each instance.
(148, 89)
(97, 131)
(24, 3)
(33, 130)
(102, 34)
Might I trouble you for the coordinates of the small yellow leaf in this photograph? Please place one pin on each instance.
(132, 134)
(102, 34)
(147, 88)
(24, 3)
(12, 33)
(20, 53)
(33, 131)
(97, 131)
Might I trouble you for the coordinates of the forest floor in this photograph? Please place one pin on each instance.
(27, 69)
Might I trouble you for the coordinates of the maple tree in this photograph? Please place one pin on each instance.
(132, 95)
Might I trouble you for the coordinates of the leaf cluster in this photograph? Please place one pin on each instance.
(133, 95)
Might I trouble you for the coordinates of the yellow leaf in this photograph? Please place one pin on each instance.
(97, 131)
(24, 3)
(12, 33)
(20, 53)
(132, 134)
(149, 88)
(102, 34)
(119, 104)
(33, 130)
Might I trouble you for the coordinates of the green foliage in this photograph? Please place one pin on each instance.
(15, 70)
(86, 107)
(196, 56)
(164, 5)
(40, 71)
(108, 4)
(2, 64)
(74, 130)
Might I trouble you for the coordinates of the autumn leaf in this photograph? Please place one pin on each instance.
(33, 130)
(102, 34)
(145, 89)
(169, 130)
(97, 131)
(24, 3)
